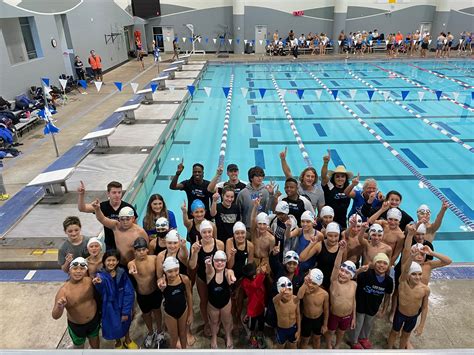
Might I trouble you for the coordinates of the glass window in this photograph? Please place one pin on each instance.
(28, 38)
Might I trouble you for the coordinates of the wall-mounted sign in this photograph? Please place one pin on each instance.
(298, 13)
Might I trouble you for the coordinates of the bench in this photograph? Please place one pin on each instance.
(100, 138)
(170, 72)
(185, 58)
(160, 80)
(26, 124)
(178, 64)
(52, 183)
(129, 112)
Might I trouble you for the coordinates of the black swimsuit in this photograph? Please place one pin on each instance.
(240, 259)
(158, 249)
(325, 262)
(183, 269)
(201, 262)
(175, 299)
(193, 234)
(218, 294)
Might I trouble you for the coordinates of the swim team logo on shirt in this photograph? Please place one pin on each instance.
(228, 218)
(198, 193)
(374, 290)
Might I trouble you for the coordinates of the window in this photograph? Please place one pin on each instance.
(28, 38)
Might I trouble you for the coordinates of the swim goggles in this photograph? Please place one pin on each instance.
(286, 285)
(424, 211)
(349, 268)
(291, 257)
(77, 263)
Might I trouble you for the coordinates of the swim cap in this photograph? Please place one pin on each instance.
(421, 229)
(333, 227)
(79, 261)
(140, 243)
(205, 225)
(316, 276)
(423, 209)
(376, 228)
(381, 257)
(126, 212)
(262, 217)
(349, 266)
(307, 216)
(282, 207)
(172, 236)
(239, 226)
(95, 240)
(394, 213)
(197, 204)
(356, 219)
(170, 263)
(291, 255)
(162, 223)
(326, 211)
(415, 267)
(220, 255)
(284, 282)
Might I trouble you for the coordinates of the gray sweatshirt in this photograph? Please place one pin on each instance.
(245, 201)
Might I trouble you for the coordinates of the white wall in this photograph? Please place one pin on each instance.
(13, 40)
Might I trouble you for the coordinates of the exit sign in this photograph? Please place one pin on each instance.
(298, 13)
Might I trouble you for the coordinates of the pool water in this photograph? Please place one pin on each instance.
(437, 150)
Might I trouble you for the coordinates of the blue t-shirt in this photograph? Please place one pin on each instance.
(359, 201)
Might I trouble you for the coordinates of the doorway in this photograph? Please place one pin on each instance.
(260, 39)
(158, 37)
(425, 27)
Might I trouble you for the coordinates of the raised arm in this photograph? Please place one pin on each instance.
(253, 217)
(188, 223)
(443, 260)
(385, 207)
(303, 288)
(213, 210)
(174, 185)
(406, 255)
(212, 185)
(338, 261)
(362, 241)
(183, 250)
(349, 190)
(194, 255)
(324, 168)
(230, 252)
(284, 165)
(106, 222)
(81, 205)
(439, 218)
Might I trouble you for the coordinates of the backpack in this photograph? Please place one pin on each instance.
(4, 104)
(22, 102)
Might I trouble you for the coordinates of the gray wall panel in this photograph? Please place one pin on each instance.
(168, 9)
(469, 10)
(358, 11)
(322, 12)
(459, 22)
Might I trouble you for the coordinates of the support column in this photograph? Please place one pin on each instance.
(440, 20)
(339, 24)
(238, 11)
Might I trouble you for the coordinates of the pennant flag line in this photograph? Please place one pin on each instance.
(83, 83)
(262, 92)
(207, 90)
(404, 95)
(118, 84)
(438, 94)
(153, 87)
(63, 83)
(230, 40)
(283, 92)
(98, 85)
(300, 93)
(318, 93)
(244, 91)
(334, 93)
(226, 91)
(214, 40)
(134, 87)
(472, 95)
(455, 96)
(370, 93)
(421, 95)
(45, 81)
(352, 93)
(50, 128)
(386, 94)
(191, 89)
(184, 39)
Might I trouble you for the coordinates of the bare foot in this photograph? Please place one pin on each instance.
(191, 339)
(178, 344)
(207, 330)
(410, 345)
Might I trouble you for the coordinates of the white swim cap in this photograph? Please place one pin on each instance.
(172, 236)
(333, 227)
(162, 223)
(282, 207)
(376, 228)
(307, 216)
(95, 240)
(284, 282)
(350, 267)
(394, 213)
(421, 229)
(126, 212)
(326, 211)
(423, 209)
(316, 276)
(220, 255)
(205, 225)
(239, 226)
(356, 219)
(170, 263)
(79, 261)
(291, 255)
(415, 267)
(262, 217)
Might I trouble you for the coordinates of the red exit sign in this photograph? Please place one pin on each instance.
(298, 13)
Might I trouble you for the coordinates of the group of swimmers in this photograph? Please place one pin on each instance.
(305, 270)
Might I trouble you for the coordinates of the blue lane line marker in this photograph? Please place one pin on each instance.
(288, 75)
(308, 110)
(362, 109)
(320, 130)
(376, 82)
(32, 275)
(292, 83)
(256, 130)
(419, 82)
(250, 75)
(394, 93)
(384, 129)
(254, 110)
(413, 157)
(346, 94)
(253, 95)
(335, 83)
(326, 75)
(418, 108)
(458, 201)
(363, 74)
(447, 128)
(251, 84)
(336, 159)
(259, 158)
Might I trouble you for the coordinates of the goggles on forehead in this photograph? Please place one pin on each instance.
(286, 284)
(289, 258)
(349, 268)
(77, 263)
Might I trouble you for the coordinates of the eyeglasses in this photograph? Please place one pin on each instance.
(77, 263)
(286, 284)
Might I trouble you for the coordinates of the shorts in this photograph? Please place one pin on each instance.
(311, 326)
(147, 303)
(98, 71)
(424, 45)
(284, 335)
(79, 332)
(408, 323)
(341, 323)
(258, 321)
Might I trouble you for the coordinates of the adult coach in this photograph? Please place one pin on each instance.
(95, 62)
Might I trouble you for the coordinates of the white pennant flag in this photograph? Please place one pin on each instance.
(307, 43)
(134, 87)
(244, 91)
(429, 42)
(184, 39)
(414, 41)
(98, 85)
(245, 41)
(386, 41)
(421, 95)
(386, 94)
(353, 93)
(339, 42)
(460, 40)
(199, 39)
(445, 41)
(230, 40)
(399, 42)
(63, 83)
(171, 88)
(251, 44)
(260, 41)
(168, 39)
(207, 89)
(283, 92)
(318, 93)
(455, 95)
(214, 40)
(370, 42)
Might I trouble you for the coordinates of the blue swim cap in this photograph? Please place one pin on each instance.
(197, 204)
